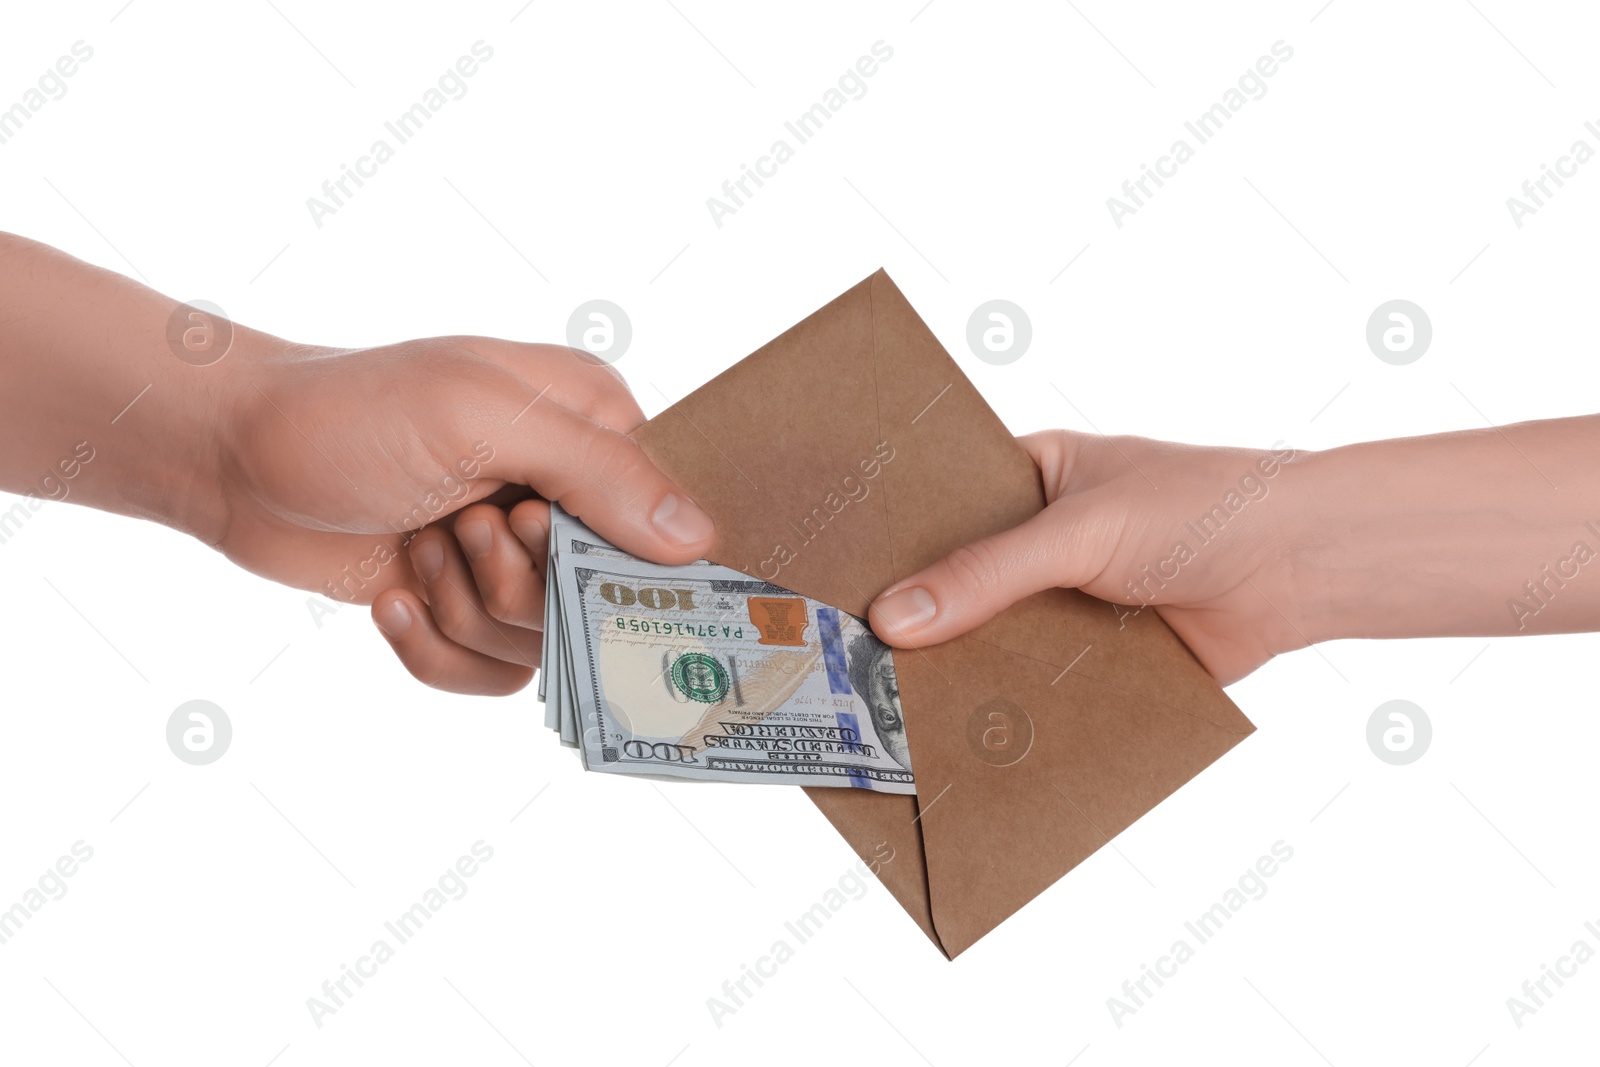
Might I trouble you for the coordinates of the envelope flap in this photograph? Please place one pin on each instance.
(851, 452)
(958, 473)
(784, 452)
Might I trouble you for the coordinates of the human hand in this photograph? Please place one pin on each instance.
(343, 455)
(315, 467)
(1200, 534)
(482, 572)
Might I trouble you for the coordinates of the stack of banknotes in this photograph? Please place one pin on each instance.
(703, 672)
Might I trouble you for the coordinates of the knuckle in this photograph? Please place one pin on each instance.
(430, 676)
(610, 411)
(597, 373)
(454, 616)
(502, 603)
(586, 358)
(1054, 451)
(1056, 439)
(478, 511)
(426, 669)
(503, 685)
(612, 460)
(1063, 445)
(975, 568)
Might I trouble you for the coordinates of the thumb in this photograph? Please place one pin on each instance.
(605, 479)
(1067, 544)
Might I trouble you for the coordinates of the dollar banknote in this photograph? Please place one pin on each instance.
(703, 672)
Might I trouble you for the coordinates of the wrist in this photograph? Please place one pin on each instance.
(207, 463)
(227, 502)
(1350, 537)
(1306, 560)
(1286, 583)
(113, 393)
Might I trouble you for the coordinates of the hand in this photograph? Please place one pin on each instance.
(315, 467)
(482, 572)
(343, 455)
(1200, 534)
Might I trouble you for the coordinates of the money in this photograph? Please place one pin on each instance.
(703, 672)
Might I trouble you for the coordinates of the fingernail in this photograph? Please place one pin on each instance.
(682, 522)
(394, 618)
(531, 532)
(905, 610)
(428, 558)
(475, 537)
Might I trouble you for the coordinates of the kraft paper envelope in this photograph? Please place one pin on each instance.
(1034, 739)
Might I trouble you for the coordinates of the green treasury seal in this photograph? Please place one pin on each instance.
(699, 677)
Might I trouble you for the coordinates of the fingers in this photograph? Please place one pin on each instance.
(1067, 544)
(433, 659)
(1053, 451)
(1070, 461)
(457, 608)
(477, 632)
(606, 480)
(509, 585)
(530, 521)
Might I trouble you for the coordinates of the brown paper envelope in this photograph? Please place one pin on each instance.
(851, 452)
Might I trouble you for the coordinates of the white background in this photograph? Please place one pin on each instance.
(1231, 309)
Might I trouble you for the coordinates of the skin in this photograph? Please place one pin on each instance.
(1413, 537)
(297, 462)
(1430, 536)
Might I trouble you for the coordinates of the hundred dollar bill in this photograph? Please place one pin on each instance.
(568, 535)
(703, 672)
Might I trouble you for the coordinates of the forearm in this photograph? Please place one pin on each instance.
(1447, 535)
(96, 408)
